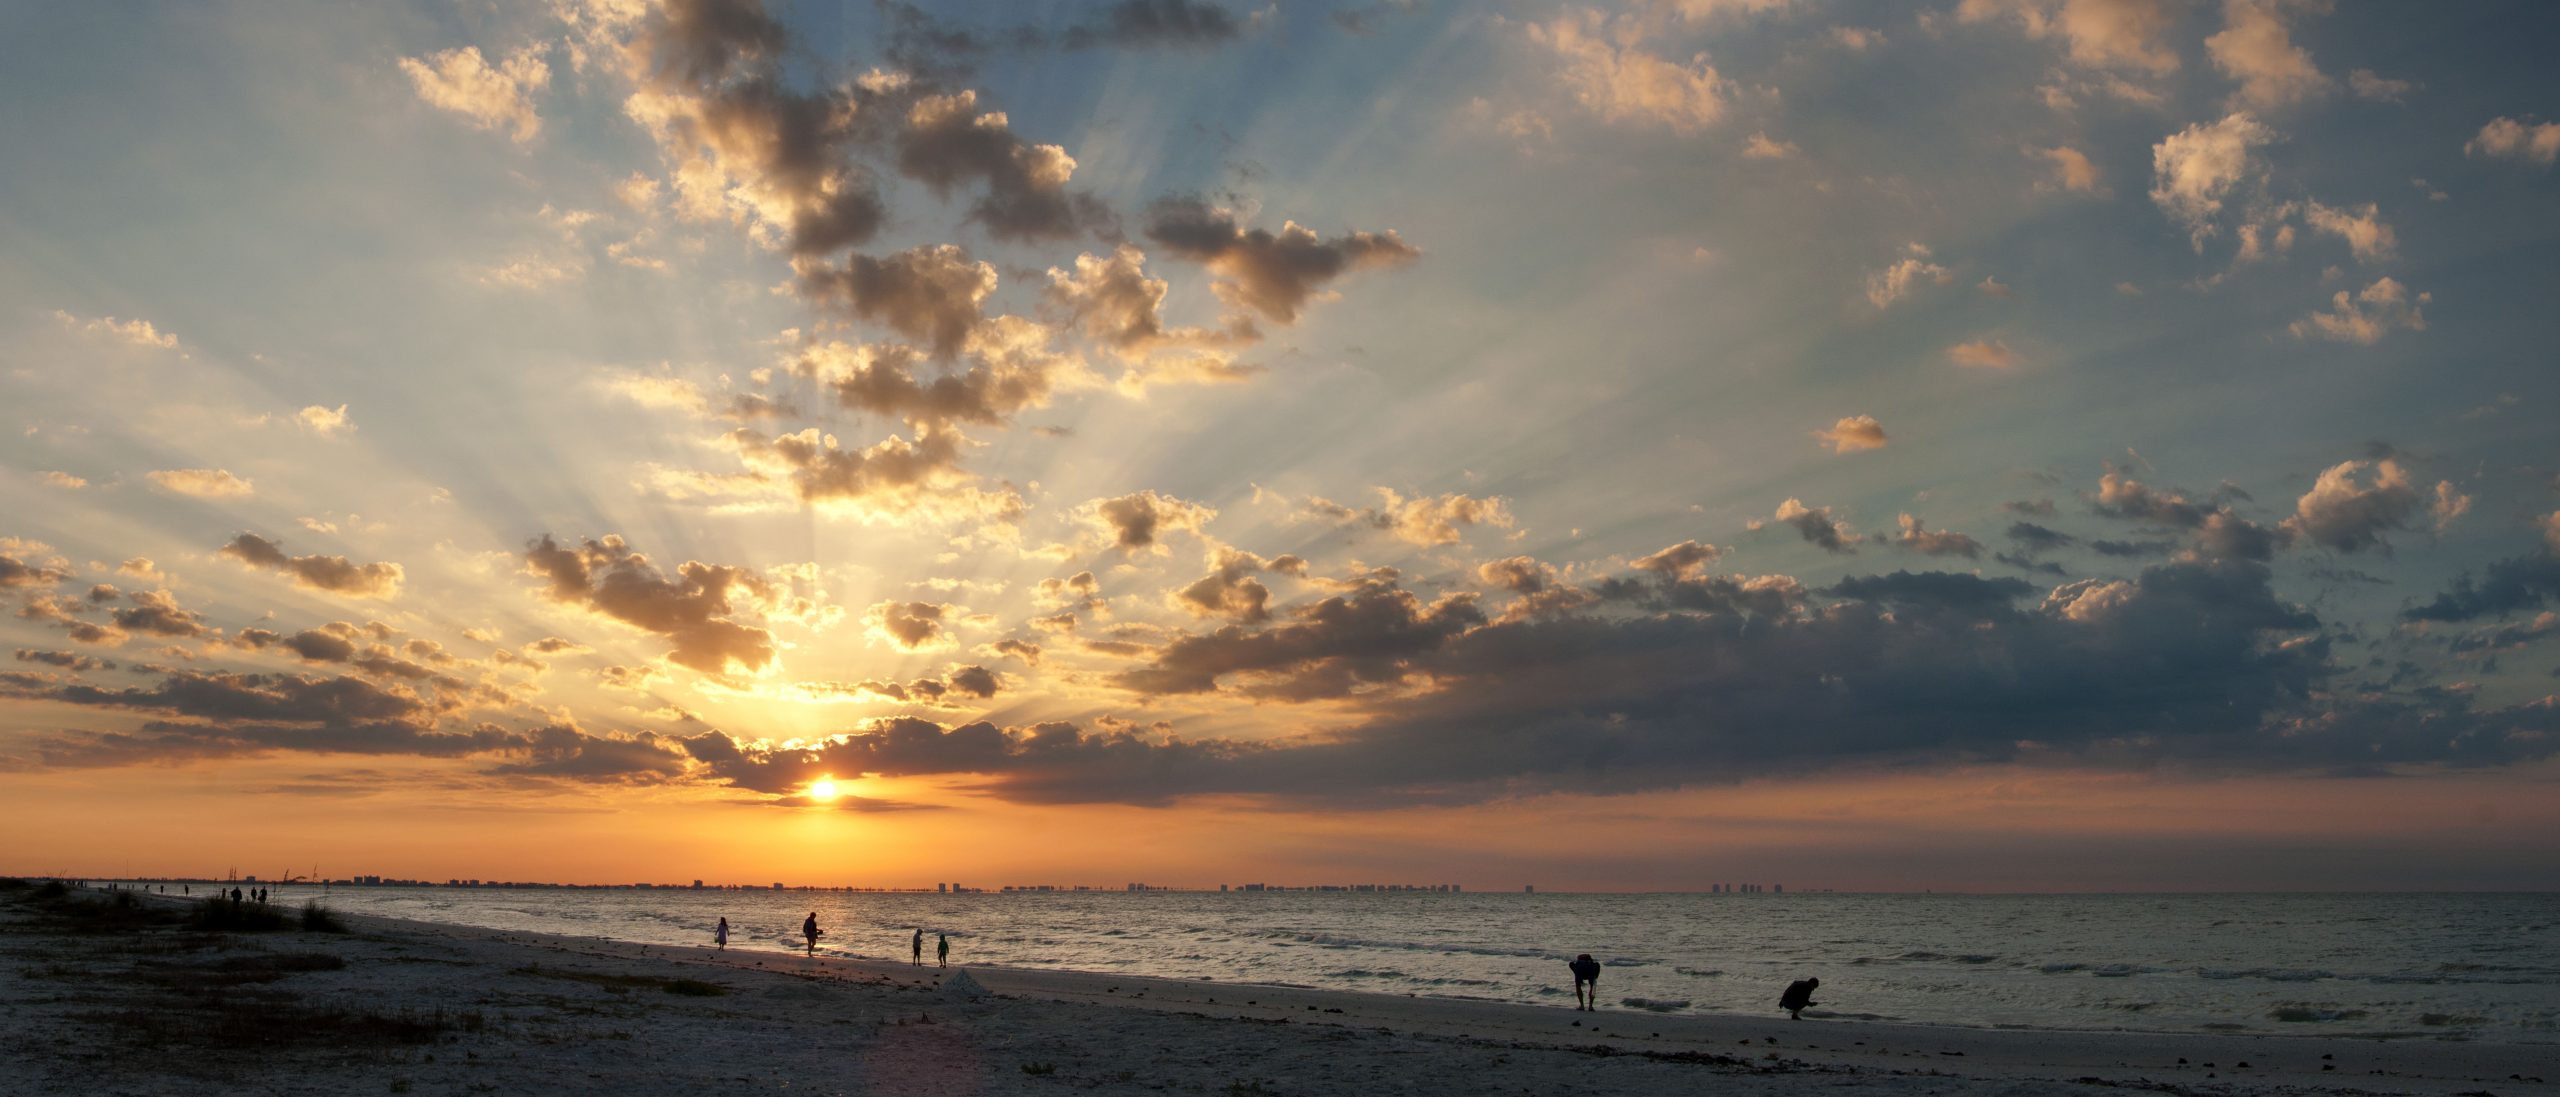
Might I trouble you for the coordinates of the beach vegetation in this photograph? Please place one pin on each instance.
(1039, 1070)
(695, 988)
(226, 916)
(319, 919)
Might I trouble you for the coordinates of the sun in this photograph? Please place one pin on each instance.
(822, 790)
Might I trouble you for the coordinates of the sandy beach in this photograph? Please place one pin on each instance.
(102, 997)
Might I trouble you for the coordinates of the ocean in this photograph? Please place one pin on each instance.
(2460, 966)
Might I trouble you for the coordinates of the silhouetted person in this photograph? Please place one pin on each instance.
(720, 935)
(918, 950)
(235, 897)
(1798, 997)
(1586, 982)
(809, 929)
(941, 948)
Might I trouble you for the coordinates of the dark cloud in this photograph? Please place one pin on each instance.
(1137, 522)
(286, 698)
(891, 476)
(1230, 589)
(2507, 586)
(2134, 548)
(157, 613)
(895, 380)
(1272, 274)
(1024, 650)
(2121, 496)
(2193, 663)
(1816, 525)
(932, 294)
(693, 609)
(948, 688)
(2032, 538)
(15, 572)
(335, 574)
(1370, 636)
(1143, 23)
(1947, 590)
(67, 660)
(2027, 563)
(741, 144)
(912, 626)
(564, 751)
(948, 142)
(1367, 19)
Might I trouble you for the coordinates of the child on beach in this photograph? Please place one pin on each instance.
(721, 935)
(941, 948)
(1799, 995)
(918, 951)
(1586, 982)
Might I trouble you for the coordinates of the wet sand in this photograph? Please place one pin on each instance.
(414, 1007)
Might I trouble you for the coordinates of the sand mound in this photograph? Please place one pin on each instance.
(961, 988)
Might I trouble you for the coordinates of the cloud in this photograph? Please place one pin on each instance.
(325, 422)
(1009, 370)
(2255, 47)
(912, 626)
(335, 574)
(1424, 520)
(2449, 506)
(2033, 539)
(2072, 171)
(1817, 526)
(1272, 274)
(892, 479)
(932, 294)
(1114, 303)
(2509, 139)
(2363, 230)
(1138, 521)
(1853, 433)
(1760, 147)
(1895, 282)
(2368, 84)
(1612, 76)
(2367, 316)
(202, 483)
(1142, 23)
(492, 97)
(1916, 537)
(1367, 637)
(1858, 39)
(67, 660)
(1230, 589)
(2100, 33)
(2507, 586)
(139, 332)
(2193, 169)
(737, 143)
(1983, 354)
(16, 571)
(695, 609)
(2342, 514)
(62, 480)
(948, 141)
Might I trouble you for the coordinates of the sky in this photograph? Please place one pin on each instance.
(1990, 444)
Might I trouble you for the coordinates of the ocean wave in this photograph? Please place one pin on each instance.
(1327, 940)
(2272, 975)
(2313, 1015)
(1655, 1005)
(1695, 973)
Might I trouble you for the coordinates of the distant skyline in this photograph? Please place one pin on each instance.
(1972, 445)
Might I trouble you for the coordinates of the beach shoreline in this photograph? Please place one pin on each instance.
(570, 1012)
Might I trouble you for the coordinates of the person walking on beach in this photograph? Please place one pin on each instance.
(918, 949)
(941, 947)
(809, 929)
(1586, 982)
(1799, 995)
(721, 935)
